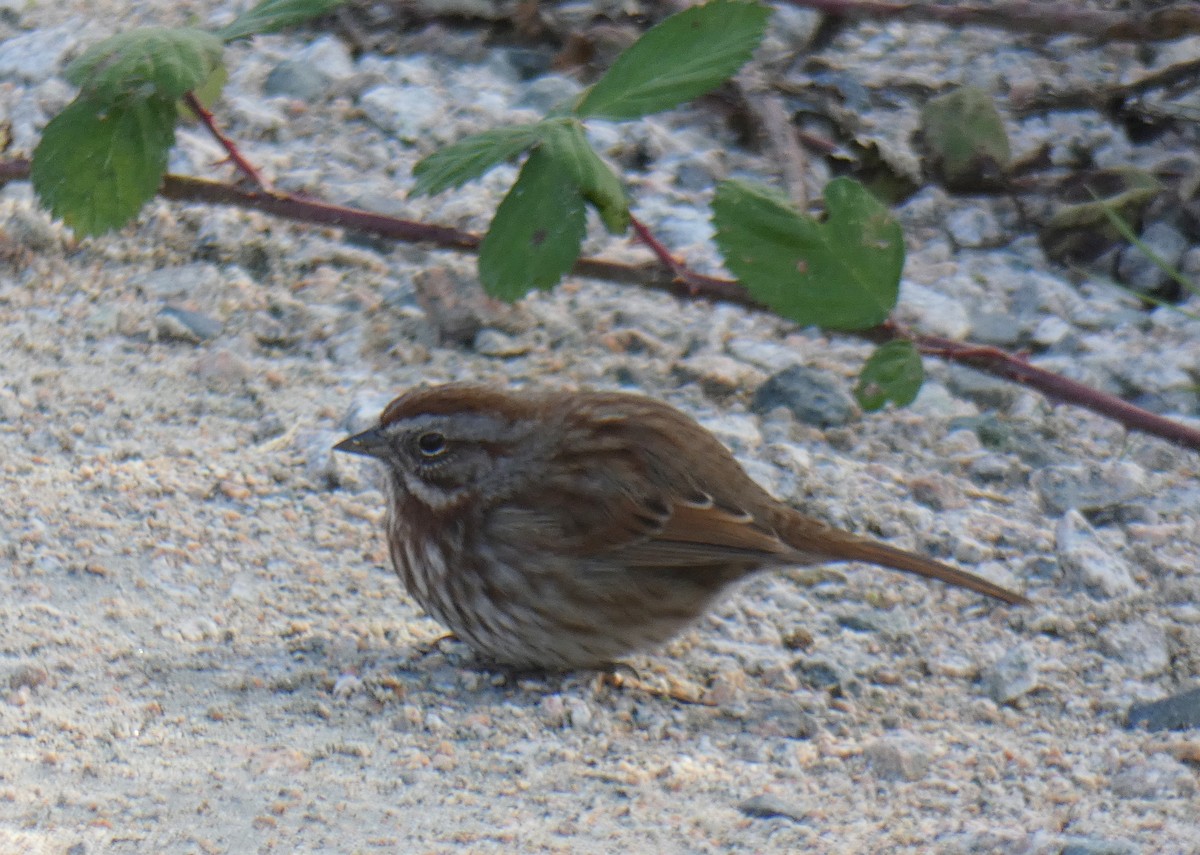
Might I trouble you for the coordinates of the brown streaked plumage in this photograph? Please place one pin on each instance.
(561, 529)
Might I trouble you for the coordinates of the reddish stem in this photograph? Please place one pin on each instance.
(680, 270)
(235, 154)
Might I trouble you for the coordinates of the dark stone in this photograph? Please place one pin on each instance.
(814, 397)
(1178, 712)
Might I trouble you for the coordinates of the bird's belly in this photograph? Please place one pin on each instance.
(550, 611)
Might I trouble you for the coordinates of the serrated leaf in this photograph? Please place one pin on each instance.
(97, 164)
(471, 157)
(534, 238)
(680, 59)
(892, 373)
(965, 141)
(148, 62)
(566, 144)
(842, 273)
(272, 15)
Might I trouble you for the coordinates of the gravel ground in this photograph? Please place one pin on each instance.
(202, 648)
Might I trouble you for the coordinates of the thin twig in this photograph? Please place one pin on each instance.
(1052, 19)
(235, 154)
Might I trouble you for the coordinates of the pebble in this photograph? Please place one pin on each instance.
(409, 113)
(490, 342)
(974, 227)
(1095, 846)
(768, 806)
(1051, 330)
(176, 324)
(897, 758)
(933, 312)
(1142, 647)
(1088, 563)
(718, 376)
(1139, 271)
(34, 56)
(1013, 675)
(1158, 776)
(321, 462)
(1089, 488)
(296, 79)
(814, 397)
(1175, 712)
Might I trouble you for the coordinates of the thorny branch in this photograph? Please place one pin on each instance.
(670, 276)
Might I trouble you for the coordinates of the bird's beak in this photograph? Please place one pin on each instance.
(369, 443)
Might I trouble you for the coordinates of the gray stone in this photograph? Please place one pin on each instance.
(897, 758)
(1177, 712)
(174, 323)
(329, 57)
(814, 397)
(1050, 331)
(1141, 647)
(933, 311)
(37, 55)
(1139, 271)
(999, 328)
(974, 227)
(321, 463)
(1087, 563)
(768, 806)
(984, 389)
(296, 79)
(490, 342)
(1158, 776)
(1089, 488)
(546, 93)
(1013, 675)
(1096, 846)
(407, 112)
(765, 354)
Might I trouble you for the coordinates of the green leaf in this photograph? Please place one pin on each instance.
(678, 60)
(534, 238)
(964, 140)
(148, 62)
(97, 164)
(566, 144)
(893, 373)
(843, 273)
(471, 157)
(271, 15)
(206, 93)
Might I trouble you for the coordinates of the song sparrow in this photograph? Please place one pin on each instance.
(556, 529)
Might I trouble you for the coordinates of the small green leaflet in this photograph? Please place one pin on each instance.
(534, 238)
(148, 62)
(893, 373)
(272, 15)
(97, 164)
(680, 59)
(964, 139)
(471, 157)
(564, 141)
(841, 273)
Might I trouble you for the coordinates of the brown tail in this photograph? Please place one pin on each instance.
(818, 539)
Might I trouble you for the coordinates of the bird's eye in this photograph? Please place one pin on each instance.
(432, 444)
